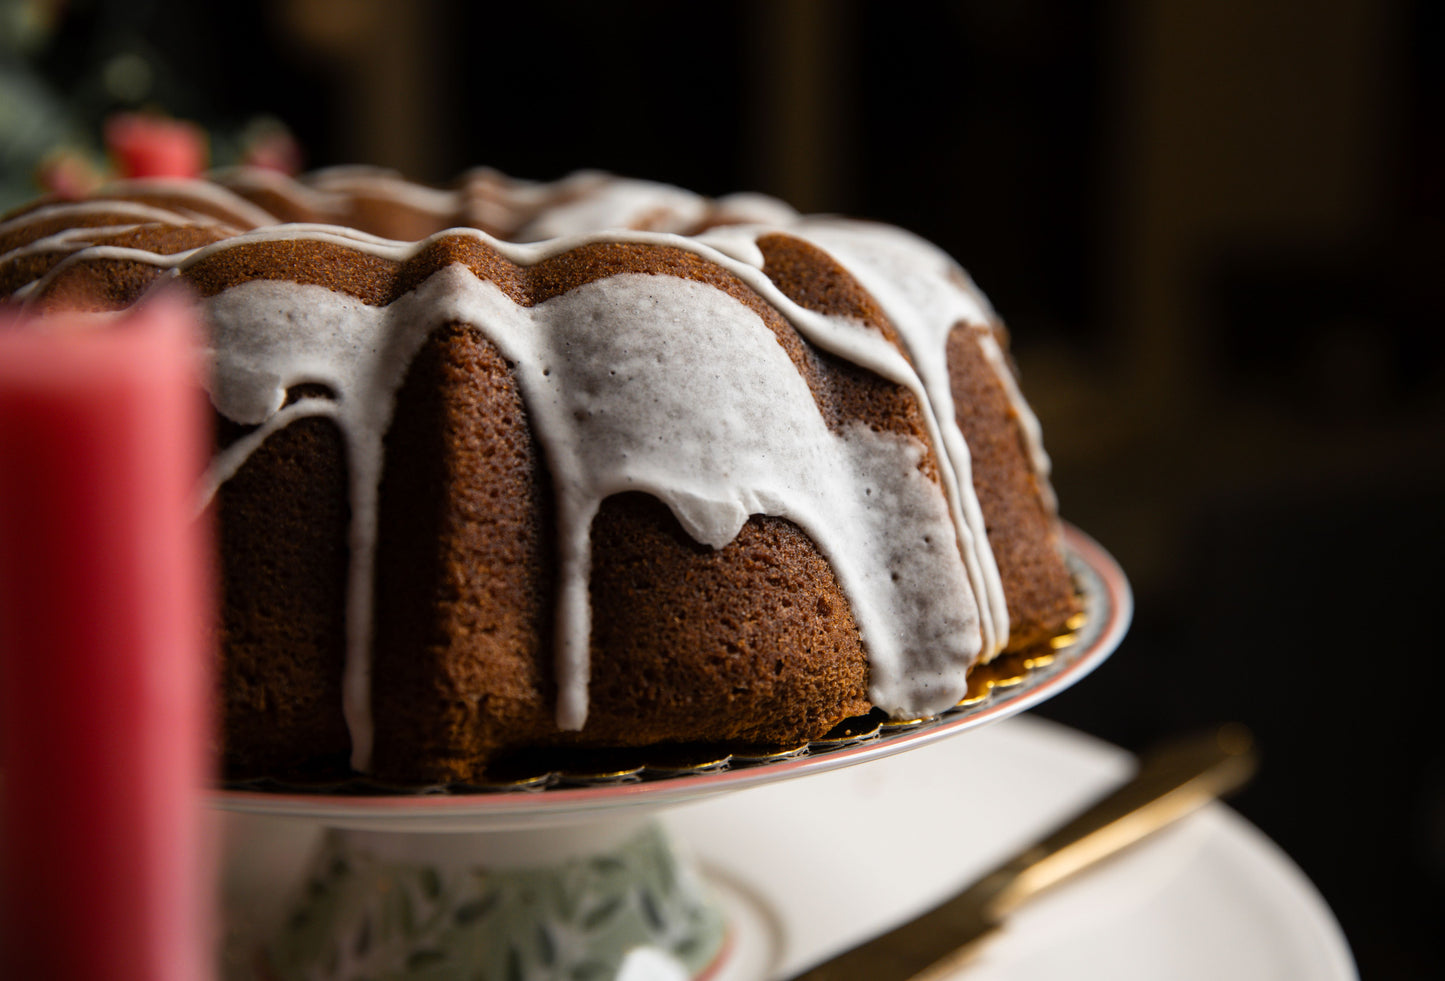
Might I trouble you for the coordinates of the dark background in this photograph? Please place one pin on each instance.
(1214, 227)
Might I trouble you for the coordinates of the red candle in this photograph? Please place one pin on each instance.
(104, 592)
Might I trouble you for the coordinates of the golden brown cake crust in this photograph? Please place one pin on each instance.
(754, 642)
(102, 284)
(751, 642)
(811, 278)
(1022, 531)
(465, 569)
(282, 527)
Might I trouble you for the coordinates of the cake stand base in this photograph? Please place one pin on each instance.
(614, 899)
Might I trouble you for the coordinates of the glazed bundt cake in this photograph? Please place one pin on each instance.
(589, 463)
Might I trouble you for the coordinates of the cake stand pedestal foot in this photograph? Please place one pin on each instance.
(609, 899)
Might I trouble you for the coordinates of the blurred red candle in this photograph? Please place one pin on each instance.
(104, 597)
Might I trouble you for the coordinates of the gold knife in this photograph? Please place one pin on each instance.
(1172, 782)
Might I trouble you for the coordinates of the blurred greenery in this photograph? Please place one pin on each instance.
(67, 65)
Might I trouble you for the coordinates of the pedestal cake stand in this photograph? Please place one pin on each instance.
(569, 874)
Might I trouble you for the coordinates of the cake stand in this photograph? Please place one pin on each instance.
(571, 876)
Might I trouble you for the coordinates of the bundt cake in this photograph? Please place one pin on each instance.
(590, 463)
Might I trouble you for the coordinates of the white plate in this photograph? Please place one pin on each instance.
(845, 855)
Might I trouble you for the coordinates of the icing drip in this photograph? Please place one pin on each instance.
(79, 209)
(929, 294)
(633, 382)
(615, 388)
(69, 240)
(268, 336)
(613, 374)
(209, 198)
(620, 204)
(371, 182)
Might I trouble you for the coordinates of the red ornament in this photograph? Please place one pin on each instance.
(155, 146)
(272, 147)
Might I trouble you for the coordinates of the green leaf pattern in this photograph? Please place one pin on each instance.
(359, 918)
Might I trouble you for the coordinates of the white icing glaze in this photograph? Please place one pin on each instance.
(128, 209)
(247, 215)
(755, 208)
(493, 200)
(101, 252)
(75, 239)
(926, 294)
(613, 374)
(911, 285)
(69, 240)
(619, 204)
(298, 194)
(650, 383)
(376, 183)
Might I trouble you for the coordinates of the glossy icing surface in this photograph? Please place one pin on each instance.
(632, 381)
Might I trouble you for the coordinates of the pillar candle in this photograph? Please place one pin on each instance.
(104, 624)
